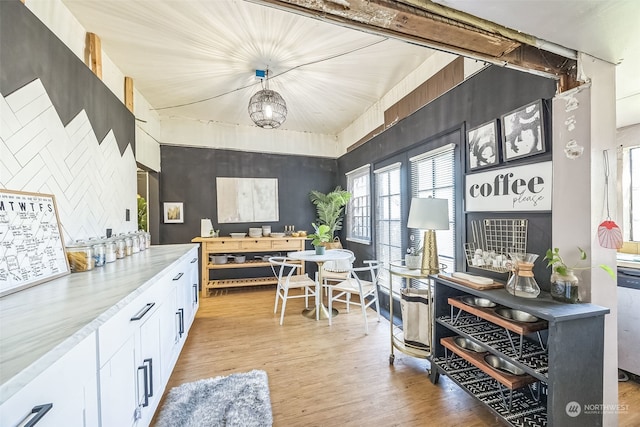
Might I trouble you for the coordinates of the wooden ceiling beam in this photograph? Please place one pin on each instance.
(435, 26)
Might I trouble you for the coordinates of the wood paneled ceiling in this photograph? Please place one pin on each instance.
(196, 59)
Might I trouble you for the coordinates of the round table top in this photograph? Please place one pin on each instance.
(329, 255)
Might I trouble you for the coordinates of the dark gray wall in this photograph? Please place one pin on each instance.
(189, 176)
(487, 95)
(30, 51)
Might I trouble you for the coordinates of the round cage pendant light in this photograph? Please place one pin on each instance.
(267, 108)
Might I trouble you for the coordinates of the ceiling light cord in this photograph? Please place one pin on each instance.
(272, 77)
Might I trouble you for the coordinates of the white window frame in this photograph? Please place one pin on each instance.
(386, 251)
(359, 207)
(437, 179)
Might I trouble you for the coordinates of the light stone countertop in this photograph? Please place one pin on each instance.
(41, 323)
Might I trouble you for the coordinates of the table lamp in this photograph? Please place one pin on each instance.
(429, 214)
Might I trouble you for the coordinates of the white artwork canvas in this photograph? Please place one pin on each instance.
(247, 200)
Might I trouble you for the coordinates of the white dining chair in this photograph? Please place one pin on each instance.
(287, 281)
(356, 284)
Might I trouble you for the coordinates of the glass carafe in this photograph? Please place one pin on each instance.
(522, 283)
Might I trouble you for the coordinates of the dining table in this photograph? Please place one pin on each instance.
(320, 311)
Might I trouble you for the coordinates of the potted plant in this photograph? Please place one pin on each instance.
(564, 282)
(320, 237)
(330, 208)
(413, 258)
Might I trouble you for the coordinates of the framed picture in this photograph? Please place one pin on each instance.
(32, 250)
(482, 144)
(523, 132)
(173, 212)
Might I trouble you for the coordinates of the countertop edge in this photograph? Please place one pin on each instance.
(31, 371)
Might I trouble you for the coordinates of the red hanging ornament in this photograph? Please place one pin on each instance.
(609, 234)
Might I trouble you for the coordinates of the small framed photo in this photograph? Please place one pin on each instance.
(523, 132)
(173, 212)
(482, 144)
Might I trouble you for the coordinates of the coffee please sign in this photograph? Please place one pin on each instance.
(521, 188)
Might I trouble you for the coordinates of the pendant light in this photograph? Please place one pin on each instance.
(267, 108)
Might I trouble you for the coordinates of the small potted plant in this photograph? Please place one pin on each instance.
(413, 258)
(564, 282)
(330, 207)
(321, 236)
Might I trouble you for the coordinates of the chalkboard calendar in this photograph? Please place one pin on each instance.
(31, 245)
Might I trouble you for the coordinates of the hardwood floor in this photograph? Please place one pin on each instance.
(329, 376)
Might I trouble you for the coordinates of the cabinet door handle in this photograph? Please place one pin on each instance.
(145, 373)
(40, 411)
(180, 314)
(194, 260)
(178, 276)
(150, 362)
(195, 293)
(139, 315)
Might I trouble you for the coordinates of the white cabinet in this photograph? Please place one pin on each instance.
(65, 394)
(191, 296)
(130, 380)
(118, 333)
(140, 345)
(178, 312)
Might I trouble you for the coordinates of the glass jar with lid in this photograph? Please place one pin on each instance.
(121, 250)
(99, 253)
(135, 242)
(80, 256)
(128, 245)
(142, 239)
(109, 250)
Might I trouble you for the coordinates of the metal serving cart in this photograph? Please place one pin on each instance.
(415, 338)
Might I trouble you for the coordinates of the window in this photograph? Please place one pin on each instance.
(388, 219)
(359, 207)
(631, 193)
(433, 175)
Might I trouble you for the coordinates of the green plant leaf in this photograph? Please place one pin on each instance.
(609, 270)
(583, 254)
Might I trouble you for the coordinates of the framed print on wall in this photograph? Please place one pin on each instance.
(482, 145)
(523, 132)
(173, 213)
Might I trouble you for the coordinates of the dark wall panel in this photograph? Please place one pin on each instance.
(486, 96)
(189, 176)
(30, 51)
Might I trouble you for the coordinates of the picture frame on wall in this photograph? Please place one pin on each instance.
(523, 132)
(173, 212)
(482, 145)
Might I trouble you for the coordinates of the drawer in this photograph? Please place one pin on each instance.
(65, 393)
(288, 244)
(116, 330)
(256, 245)
(223, 246)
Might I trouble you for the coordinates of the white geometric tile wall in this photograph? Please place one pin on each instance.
(92, 183)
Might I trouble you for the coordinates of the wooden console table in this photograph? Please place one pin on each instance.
(229, 245)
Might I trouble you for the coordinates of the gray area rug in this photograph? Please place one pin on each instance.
(240, 400)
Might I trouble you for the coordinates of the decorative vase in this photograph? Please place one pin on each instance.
(412, 262)
(320, 250)
(564, 288)
(522, 283)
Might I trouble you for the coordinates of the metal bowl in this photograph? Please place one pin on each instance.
(477, 302)
(467, 344)
(218, 259)
(500, 364)
(517, 315)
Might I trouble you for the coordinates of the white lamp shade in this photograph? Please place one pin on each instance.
(429, 214)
